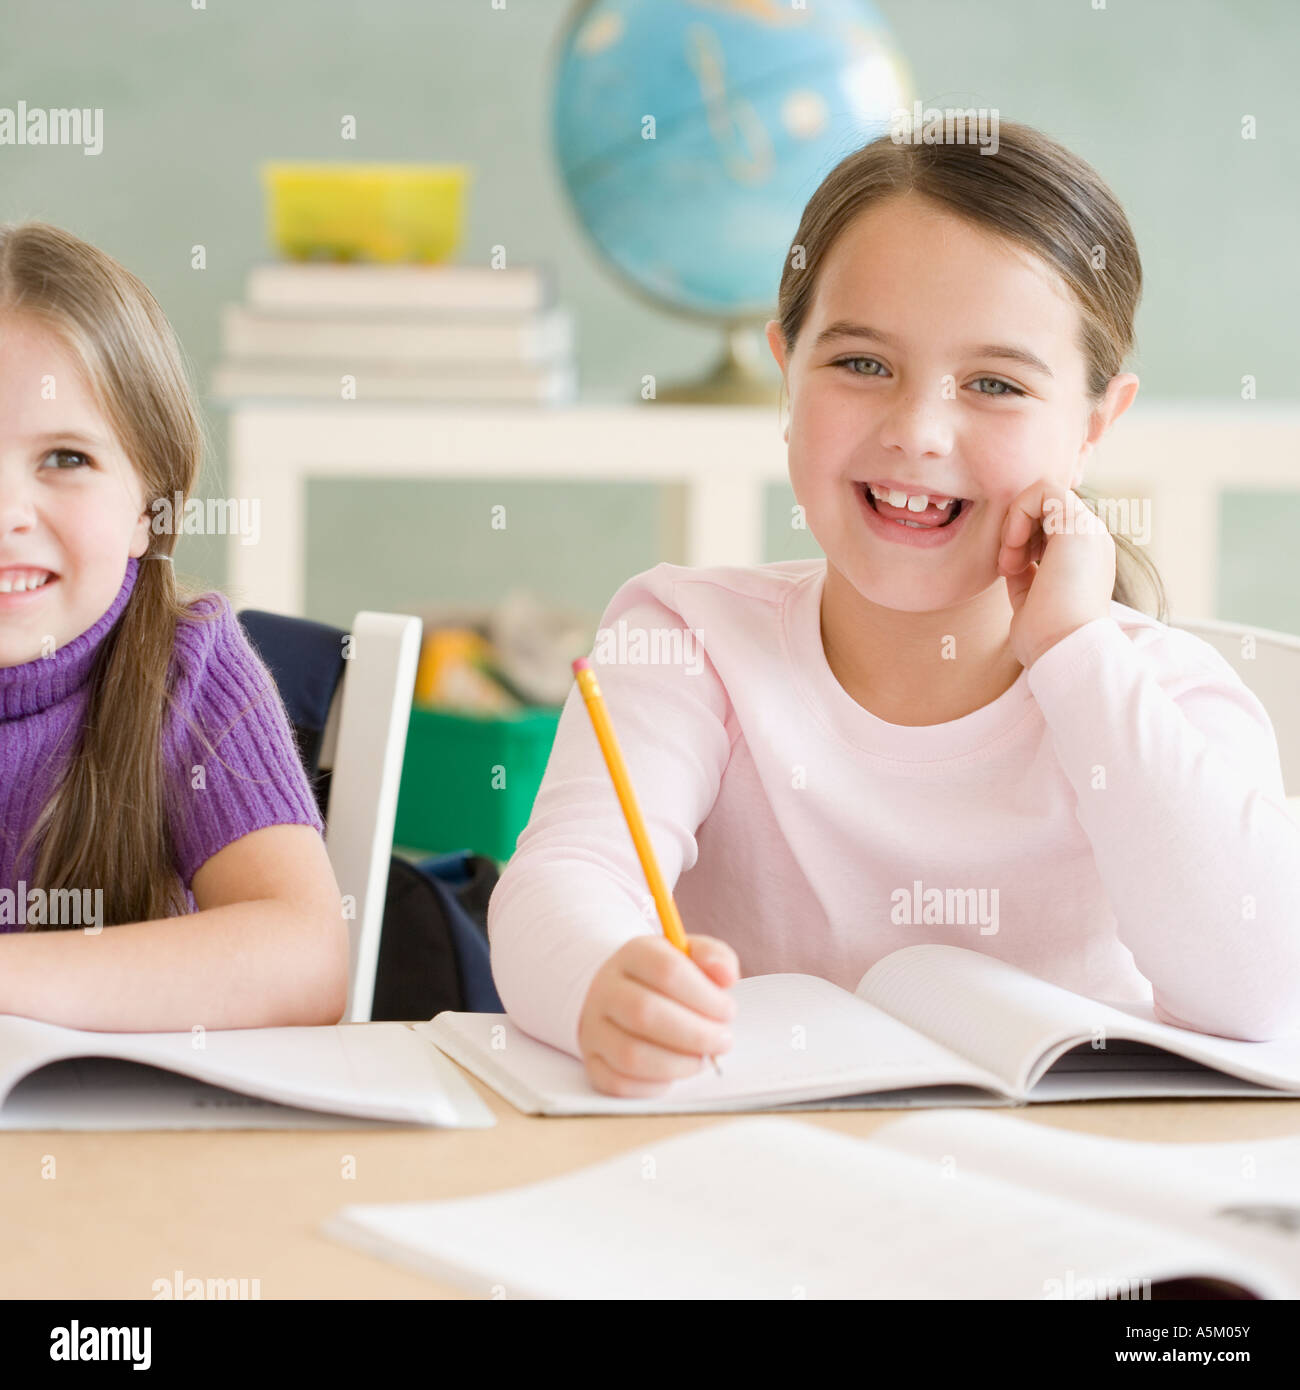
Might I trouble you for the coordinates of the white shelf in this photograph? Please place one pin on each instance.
(723, 457)
(1180, 457)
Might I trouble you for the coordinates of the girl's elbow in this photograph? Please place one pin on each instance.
(1281, 1022)
(333, 1000)
(334, 991)
(1260, 1024)
(327, 1001)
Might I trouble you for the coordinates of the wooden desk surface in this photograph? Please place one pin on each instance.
(126, 1209)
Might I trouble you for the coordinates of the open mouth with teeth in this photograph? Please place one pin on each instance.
(931, 517)
(23, 581)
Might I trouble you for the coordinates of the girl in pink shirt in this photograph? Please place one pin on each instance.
(966, 690)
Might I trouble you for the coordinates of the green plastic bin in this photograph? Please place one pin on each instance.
(469, 780)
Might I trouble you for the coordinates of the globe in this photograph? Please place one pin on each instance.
(689, 134)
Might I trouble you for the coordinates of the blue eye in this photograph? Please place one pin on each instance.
(1007, 388)
(997, 381)
(68, 453)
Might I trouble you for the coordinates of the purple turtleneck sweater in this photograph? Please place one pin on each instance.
(220, 682)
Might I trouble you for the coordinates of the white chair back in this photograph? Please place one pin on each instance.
(364, 743)
(1272, 674)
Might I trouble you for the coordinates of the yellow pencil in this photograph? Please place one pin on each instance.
(668, 915)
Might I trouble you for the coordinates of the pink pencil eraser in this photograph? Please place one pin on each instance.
(582, 664)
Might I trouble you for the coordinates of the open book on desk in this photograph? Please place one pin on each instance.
(940, 1205)
(349, 1075)
(928, 1025)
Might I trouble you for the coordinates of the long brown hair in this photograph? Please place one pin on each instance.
(1033, 192)
(105, 826)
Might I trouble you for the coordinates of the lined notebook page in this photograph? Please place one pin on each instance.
(373, 1070)
(768, 1208)
(796, 1036)
(1005, 1019)
(982, 1007)
(105, 1093)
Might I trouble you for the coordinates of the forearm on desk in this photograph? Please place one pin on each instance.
(255, 964)
(1196, 851)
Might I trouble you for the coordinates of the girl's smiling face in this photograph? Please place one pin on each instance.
(71, 503)
(935, 355)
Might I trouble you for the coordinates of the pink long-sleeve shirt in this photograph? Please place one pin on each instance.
(1114, 822)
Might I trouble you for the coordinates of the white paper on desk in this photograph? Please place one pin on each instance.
(1242, 1195)
(776, 1208)
(327, 1077)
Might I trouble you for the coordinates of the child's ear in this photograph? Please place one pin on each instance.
(140, 535)
(774, 341)
(1120, 391)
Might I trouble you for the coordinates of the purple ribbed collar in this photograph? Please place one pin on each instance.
(46, 680)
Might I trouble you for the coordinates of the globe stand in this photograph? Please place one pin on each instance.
(736, 379)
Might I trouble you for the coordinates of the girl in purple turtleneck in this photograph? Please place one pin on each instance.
(161, 859)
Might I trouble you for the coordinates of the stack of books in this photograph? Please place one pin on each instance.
(443, 333)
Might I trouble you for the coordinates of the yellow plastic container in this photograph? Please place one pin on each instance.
(368, 212)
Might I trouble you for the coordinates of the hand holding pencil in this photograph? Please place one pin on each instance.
(659, 1003)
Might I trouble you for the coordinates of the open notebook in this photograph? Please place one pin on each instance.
(928, 1025)
(350, 1075)
(940, 1205)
